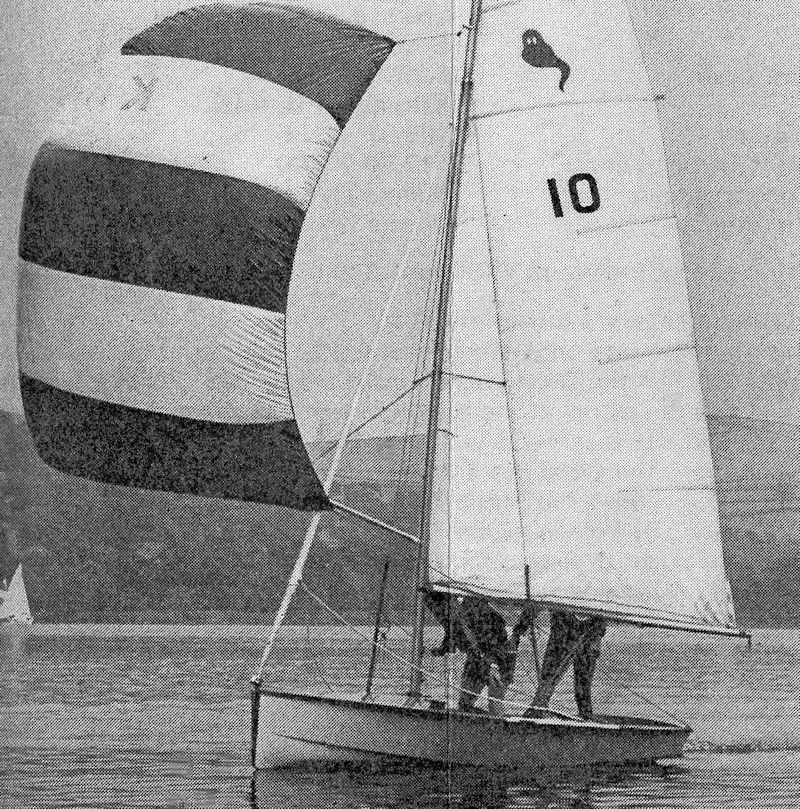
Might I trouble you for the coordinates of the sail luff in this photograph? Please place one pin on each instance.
(440, 342)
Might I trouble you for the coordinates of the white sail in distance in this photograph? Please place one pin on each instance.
(575, 441)
(14, 601)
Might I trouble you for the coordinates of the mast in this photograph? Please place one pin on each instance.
(454, 171)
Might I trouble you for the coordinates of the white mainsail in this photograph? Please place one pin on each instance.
(578, 444)
(14, 601)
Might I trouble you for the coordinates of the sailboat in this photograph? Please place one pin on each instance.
(174, 329)
(14, 608)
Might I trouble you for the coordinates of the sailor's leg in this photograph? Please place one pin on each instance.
(497, 690)
(473, 680)
(557, 656)
(585, 663)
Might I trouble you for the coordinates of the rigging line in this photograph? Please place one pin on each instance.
(501, 4)
(503, 358)
(427, 672)
(320, 670)
(407, 453)
(372, 520)
(425, 338)
(425, 38)
(415, 406)
(297, 571)
(448, 445)
(645, 699)
(376, 415)
(475, 378)
(454, 177)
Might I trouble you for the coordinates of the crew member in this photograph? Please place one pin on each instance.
(573, 639)
(475, 628)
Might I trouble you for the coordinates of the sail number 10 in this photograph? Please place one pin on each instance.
(583, 194)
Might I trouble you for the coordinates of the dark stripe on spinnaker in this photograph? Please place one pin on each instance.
(122, 445)
(325, 59)
(159, 226)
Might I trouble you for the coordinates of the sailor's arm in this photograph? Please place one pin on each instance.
(436, 604)
(526, 622)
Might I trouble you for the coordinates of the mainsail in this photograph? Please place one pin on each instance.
(577, 465)
(157, 241)
(14, 601)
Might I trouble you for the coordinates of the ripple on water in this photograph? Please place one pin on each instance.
(159, 717)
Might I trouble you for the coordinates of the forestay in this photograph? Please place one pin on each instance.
(576, 433)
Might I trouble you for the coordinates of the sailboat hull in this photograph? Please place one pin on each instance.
(296, 728)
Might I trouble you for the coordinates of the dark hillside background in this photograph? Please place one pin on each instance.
(99, 553)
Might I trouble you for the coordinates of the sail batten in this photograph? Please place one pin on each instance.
(557, 104)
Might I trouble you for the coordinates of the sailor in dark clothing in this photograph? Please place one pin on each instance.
(573, 639)
(475, 628)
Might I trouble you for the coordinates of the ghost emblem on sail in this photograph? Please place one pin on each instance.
(537, 53)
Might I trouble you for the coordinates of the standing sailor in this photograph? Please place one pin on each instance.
(572, 639)
(477, 629)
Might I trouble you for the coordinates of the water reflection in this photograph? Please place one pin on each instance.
(419, 787)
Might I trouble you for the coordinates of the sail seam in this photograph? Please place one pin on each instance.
(670, 217)
(503, 359)
(640, 355)
(557, 104)
(652, 489)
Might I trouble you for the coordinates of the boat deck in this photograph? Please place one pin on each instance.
(397, 703)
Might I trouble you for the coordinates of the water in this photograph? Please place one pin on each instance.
(100, 716)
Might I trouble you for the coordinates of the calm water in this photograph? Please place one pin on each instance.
(158, 716)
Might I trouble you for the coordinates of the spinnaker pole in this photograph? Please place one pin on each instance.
(454, 173)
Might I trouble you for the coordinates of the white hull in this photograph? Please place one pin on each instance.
(300, 728)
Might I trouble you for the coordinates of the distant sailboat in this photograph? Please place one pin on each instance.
(567, 458)
(14, 608)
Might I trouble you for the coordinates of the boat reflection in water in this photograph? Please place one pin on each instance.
(399, 785)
